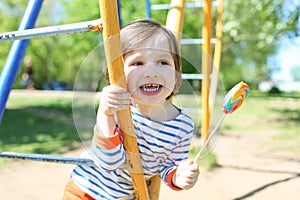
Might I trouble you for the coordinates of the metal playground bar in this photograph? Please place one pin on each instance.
(89, 26)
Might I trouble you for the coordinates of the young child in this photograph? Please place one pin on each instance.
(152, 67)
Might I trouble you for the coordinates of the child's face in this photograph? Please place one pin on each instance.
(150, 71)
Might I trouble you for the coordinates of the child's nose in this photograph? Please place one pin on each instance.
(151, 70)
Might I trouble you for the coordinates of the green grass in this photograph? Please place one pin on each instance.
(38, 125)
(266, 113)
(277, 118)
(46, 125)
(274, 117)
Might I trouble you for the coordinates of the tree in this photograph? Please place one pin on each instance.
(58, 57)
(10, 17)
(251, 31)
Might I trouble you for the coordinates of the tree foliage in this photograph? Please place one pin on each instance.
(10, 18)
(251, 31)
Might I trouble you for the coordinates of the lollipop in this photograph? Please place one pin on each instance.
(235, 97)
(233, 100)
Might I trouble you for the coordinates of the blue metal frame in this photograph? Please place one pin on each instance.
(148, 9)
(16, 53)
(119, 13)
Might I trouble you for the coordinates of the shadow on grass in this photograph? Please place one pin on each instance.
(289, 115)
(45, 129)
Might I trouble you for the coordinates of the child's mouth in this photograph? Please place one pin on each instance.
(151, 89)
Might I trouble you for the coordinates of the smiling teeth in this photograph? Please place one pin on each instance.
(150, 87)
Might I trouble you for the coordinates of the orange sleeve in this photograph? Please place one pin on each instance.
(107, 142)
(169, 178)
(72, 191)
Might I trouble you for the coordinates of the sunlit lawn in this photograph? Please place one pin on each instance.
(277, 116)
(38, 125)
(45, 124)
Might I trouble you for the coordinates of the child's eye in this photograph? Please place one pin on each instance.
(138, 63)
(163, 62)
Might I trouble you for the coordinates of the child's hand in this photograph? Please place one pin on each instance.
(186, 174)
(113, 98)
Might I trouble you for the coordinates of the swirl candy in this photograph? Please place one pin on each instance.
(235, 97)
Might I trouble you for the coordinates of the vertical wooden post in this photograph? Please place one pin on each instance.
(154, 187)
(218, 44)
(217, 55)
(113, 52)
(206, 67)
(175, 18)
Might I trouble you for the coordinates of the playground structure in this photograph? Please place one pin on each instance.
(110, 17)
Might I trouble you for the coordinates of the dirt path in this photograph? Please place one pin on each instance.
(248, 169)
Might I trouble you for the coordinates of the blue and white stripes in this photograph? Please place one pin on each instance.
(111, 159)
(162, 146)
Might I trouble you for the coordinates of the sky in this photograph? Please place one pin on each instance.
(288, 57)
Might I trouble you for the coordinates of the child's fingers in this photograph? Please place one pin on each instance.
(194, 167)
(113, 98)
(187, 174)
(190, 173)
(191, 170)
(114, 89)
(119, 96)
(118, 103)
(115, 92)
(191, 165)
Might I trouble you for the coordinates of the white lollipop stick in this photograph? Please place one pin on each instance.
(233, 100)
(214, 131)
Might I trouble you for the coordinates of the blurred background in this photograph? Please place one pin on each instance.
(260, 40)
(255, 157)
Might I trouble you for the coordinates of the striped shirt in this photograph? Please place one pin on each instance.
(162, 146)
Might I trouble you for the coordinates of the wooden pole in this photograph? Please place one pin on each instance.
(217, 54)
(154, 187)
(175, 18)
(113, 52)
(206, 67)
